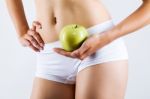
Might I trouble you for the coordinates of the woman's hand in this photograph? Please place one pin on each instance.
(32, 38)
(90, 46)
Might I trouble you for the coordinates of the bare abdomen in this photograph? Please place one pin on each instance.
(54, 15)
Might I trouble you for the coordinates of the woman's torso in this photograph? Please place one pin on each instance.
(54, 14)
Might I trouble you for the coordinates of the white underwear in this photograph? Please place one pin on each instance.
(55, 67)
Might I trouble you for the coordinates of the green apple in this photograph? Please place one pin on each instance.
(72, 36)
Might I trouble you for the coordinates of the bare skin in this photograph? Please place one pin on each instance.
(44, 89)
(102, 81)
(110, 83)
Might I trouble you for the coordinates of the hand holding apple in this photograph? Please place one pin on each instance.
(89, 46)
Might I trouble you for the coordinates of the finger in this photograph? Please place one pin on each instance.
(81, 50)
(75, 53)
(33, 28)
(83, 56)
(38, 38)
(33, 48)
(27, 43)
(35, 25)
(63, 52)
(86, 54)
(33, 41)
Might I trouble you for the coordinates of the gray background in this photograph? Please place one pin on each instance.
(17, 64)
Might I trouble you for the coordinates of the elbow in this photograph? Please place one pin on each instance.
(149, 11)
(146, 4)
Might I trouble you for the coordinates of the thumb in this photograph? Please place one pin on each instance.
(35, 25)
(84, 47)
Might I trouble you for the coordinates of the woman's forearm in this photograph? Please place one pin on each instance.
(137, 20)
(16, 11)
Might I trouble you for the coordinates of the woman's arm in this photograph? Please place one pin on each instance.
(16, 11)
(28, 37)
(137, 20)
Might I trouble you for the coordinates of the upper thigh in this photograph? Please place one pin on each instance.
(102, 81)
(45, 89)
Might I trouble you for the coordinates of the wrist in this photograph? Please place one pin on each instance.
(108, 36)
(103, 38)
(22, 31)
